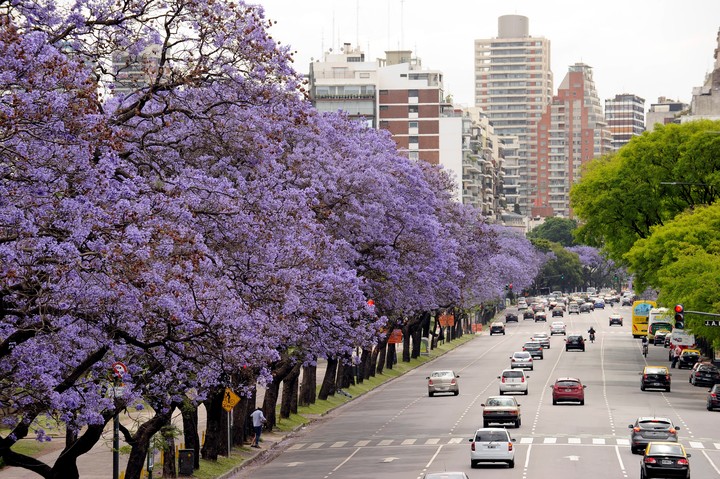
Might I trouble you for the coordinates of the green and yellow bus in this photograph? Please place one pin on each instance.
(640, 313)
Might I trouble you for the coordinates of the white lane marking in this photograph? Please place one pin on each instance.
(574, 440)
(550, 440)
(455, 440)
(408, 442)
(623, 442)
(347, 459)
(432, 441)
(717, 445)
(295, 447)
(434, 456)
(293, 464)
(527, 459)
(696, 445)
(315, 445)
(710, 461)
(526, 440)
(385, 442)
(362, 443)
(598, 440)
(619, 458)
(339, 444)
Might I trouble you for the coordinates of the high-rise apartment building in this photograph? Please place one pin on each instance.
(705, 103)
(571, 132)
(625, 117)
(513, 85)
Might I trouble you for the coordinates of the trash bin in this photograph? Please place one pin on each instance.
(186, 462)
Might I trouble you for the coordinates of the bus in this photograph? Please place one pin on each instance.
(658, 319)
(640, 312)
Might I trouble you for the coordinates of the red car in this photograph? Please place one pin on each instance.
(568, 389)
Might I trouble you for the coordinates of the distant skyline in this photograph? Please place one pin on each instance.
(649, 48)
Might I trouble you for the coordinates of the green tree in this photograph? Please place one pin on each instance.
(563, 271)
(647, 183)
(558, 230)
(682, 260)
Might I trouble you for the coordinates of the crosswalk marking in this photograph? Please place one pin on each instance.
(527, 440)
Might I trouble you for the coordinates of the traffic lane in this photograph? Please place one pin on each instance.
(568, 460)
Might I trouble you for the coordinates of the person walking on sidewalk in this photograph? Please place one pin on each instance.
(258, 419)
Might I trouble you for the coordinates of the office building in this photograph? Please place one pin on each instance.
(665, 111)
(513, 85)
(571, 132)
(625, 118)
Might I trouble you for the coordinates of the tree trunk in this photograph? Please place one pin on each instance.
(374, 360)
(213, 432)
(308, 386)
(391, 355)
(328, 384)
(406, 342)
(366, 363)
(416, 333)
(168, 432)
(141, 443)
(280, 371)
(189, 412)
(382, 353)
(345, 377)
(240, 416)
(289, 392)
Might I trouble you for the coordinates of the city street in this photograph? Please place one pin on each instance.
(399, 432)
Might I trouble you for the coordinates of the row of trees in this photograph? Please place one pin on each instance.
(653, 207)
(206, 227)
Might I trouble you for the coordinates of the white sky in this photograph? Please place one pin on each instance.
(650, 48)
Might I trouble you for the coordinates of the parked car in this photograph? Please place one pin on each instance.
(513, 381)
(501, 409)
(540, 316)
(542, 338)
(558, 327)
(521, 359)
(586, 307)
(713, 398)
(443, 382)
(558, 311)
(492, 444)
(574, 308)
(510, 316)
(704, 374)
(688, 358)
(497, 328)
(656, 377)
(529, 314)
(568, 389)
(648, 429)
(535, 348)
(575, 341)
(665, 459)
(615, 319)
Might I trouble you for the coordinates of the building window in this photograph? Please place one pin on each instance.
(413, 124)
(383, 107)
(384, 124)
(413, 139)
(383, 92)
(413, 109)
(413, 93)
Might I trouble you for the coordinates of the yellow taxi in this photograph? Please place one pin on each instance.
(688, 358)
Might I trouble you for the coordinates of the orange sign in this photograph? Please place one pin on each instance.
(446, 320)
(396, 337)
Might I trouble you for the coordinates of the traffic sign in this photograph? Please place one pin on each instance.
(119, 369)
(712, 322)
(230, 400)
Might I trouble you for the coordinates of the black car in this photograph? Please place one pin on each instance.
(688, 359)
(535, 349)
(655, 377)
(509, 317)
(665, 459)
(704, 374)
(713, 398)
(575, 341)
(585, 308)
(558, 311)
(529, 314)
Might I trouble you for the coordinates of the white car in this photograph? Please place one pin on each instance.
(492, 444)
(513, 381)
(521, 359)
(542, 338)
(558, 327)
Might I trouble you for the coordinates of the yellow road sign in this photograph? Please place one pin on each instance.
(230, 400)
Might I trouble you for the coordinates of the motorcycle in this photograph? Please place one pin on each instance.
(592, 337)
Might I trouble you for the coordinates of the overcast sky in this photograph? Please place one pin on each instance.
(651, 48)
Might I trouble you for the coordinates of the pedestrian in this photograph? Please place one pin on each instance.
(676, 356)
(258, 419)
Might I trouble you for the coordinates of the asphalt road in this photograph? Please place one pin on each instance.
(399, 432)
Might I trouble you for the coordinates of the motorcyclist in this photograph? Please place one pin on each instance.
(591, 331)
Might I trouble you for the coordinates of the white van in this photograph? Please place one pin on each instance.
(680, 338)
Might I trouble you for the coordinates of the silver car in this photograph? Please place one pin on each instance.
(542, 338)
(492, 444)
(651, 429)
(443, 382)
(521, 359)
(558, 327)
